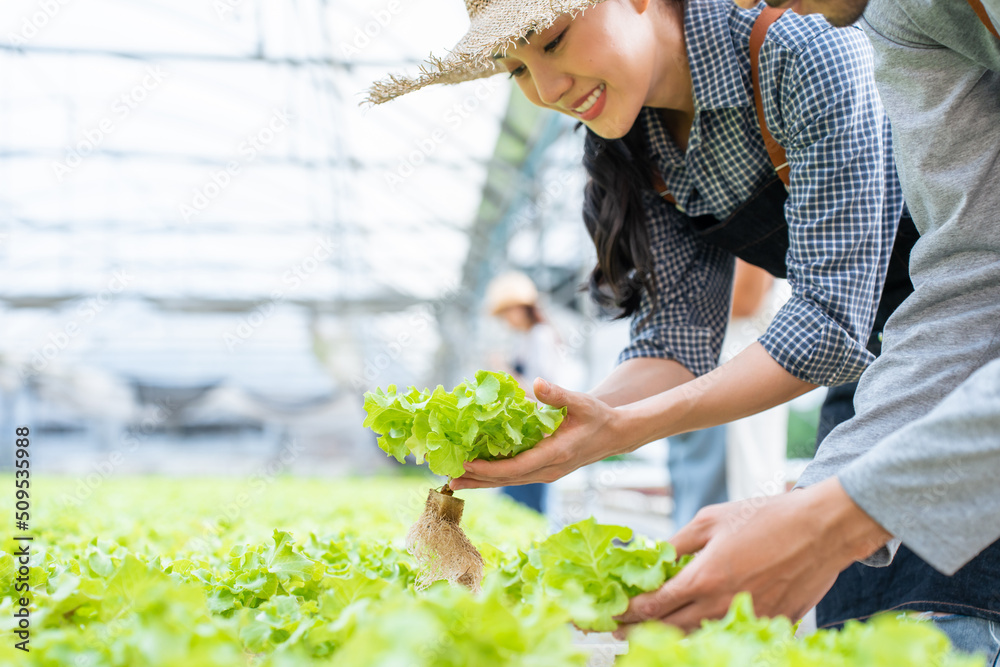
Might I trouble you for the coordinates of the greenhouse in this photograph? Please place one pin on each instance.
(591, 332)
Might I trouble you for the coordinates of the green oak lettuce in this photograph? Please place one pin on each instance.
(488, 417)
(447, 626)
(590, 575)
(743, 639)
(162, 572)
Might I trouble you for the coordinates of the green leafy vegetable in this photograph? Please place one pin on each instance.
(592, 577)
(743, 639)
(193, 573)
(448, 627)
(488, 417)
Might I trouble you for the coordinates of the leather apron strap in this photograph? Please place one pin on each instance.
(760, 27)
(977, 6)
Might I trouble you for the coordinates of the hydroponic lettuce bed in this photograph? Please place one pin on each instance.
(154, 572)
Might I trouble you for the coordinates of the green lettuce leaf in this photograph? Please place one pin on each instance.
(488, 417)
(583, 568)
(743, 639)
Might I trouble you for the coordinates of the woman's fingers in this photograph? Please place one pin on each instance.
(466, 482)
(541, 455)
(559, 397)
(472, 480)
(550, 394)
(534, 465)
(582, 438)
(542, 463)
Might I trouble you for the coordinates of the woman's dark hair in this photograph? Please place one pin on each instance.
(618, 170)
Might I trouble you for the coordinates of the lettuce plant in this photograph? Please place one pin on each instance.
(488, 417)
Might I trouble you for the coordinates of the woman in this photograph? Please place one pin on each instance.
(673, 105)
(675, 98)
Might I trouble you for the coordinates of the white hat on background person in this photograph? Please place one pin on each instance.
(510, 289)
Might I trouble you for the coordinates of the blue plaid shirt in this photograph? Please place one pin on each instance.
(842, 211)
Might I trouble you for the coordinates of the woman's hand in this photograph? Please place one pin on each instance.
(591, 431)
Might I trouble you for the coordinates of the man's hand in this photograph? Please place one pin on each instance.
(590, 432)
(785, 550)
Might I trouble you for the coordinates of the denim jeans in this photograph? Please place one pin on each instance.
(697, 465)
(529, 495)
(972, 635)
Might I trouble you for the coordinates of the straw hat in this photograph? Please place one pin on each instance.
(510, 289)
(495, 26)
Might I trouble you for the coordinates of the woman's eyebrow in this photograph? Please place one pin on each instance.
(523, 41)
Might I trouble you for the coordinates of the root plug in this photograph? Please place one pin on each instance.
(441, 547)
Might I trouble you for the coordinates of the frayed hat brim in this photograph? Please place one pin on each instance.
(493, 30)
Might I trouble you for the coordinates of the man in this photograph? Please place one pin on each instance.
(919, 463)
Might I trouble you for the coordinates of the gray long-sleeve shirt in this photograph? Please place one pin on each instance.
(922, 457)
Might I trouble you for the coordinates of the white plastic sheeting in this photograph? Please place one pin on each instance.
(159, 158)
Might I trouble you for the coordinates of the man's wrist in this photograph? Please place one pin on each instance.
(856, 534)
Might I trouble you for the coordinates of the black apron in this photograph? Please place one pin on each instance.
(757, 233)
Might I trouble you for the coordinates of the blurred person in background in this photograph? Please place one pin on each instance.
(744, 458)
(697, 466)
(756, 446)
(513, 298)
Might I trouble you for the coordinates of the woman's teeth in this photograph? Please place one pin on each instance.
(585, 107)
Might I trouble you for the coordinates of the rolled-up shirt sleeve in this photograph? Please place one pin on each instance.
(843, 207)
(694, 285)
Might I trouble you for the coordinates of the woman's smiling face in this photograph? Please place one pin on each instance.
(601, 67)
